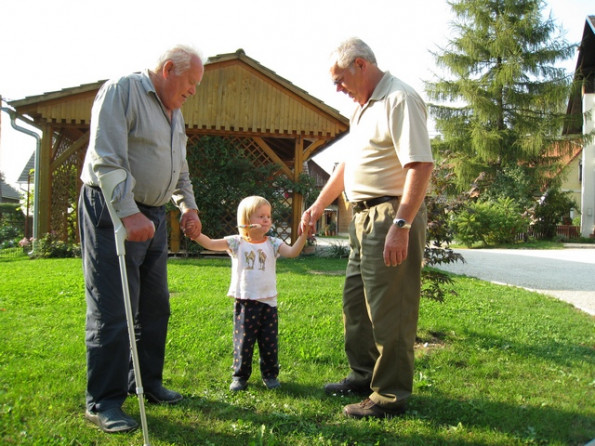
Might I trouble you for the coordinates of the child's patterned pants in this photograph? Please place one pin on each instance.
(255, 321)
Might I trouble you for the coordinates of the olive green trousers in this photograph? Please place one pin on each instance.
(381, 305)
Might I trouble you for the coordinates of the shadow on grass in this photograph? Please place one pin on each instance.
(475, 419)
(561, 354)
(528, 424)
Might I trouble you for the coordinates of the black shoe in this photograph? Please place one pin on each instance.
(346, 387)
(112, 420)
(369, 409)
(161, 395)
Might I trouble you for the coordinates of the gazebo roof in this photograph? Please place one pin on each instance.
(266, 118)
(237, 95)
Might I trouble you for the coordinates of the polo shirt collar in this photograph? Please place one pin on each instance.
(382, 88)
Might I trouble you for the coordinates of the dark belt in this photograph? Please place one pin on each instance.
(359, 206)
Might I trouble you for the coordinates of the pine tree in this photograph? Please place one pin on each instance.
(505, 93)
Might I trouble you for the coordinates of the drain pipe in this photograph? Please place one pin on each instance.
(13, 118)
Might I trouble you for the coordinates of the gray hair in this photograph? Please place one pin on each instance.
(181, 56)
(351, 49)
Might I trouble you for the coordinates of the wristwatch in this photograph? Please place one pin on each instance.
(402, 224)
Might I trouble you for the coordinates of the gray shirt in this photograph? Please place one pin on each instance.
(131, 130)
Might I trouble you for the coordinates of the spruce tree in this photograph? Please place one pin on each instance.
(501, 102)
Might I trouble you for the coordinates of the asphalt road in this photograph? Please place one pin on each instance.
(567, 274)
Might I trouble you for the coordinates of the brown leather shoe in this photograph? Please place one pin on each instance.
(346, 387)
(369, 409)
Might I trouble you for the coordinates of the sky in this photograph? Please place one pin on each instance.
(47, 46)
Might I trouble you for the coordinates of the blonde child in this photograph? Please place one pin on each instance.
(254, 287)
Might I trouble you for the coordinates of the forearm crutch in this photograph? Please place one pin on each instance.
(108, 183)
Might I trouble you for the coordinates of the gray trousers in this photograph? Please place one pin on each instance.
(381, 305)
(109, 366)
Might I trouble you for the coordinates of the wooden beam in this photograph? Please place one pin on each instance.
(271, 153)
(45, 182)
(75, 147)
(57, 143)
(312, 147)
(298, 199)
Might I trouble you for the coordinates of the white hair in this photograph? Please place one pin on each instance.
(181, 56)
(351, 49)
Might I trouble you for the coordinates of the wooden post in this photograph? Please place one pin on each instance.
(44, 194)
(297, 201)
(174, 231)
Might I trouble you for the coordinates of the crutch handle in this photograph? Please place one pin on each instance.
(108, 182)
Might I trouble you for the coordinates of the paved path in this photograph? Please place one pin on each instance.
(567, 274)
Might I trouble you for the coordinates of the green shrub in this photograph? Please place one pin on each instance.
(11, 225)
(489, 222)
(550, 211)
(9, 236)
(50, 246)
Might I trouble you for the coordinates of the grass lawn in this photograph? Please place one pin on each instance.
(495, 365)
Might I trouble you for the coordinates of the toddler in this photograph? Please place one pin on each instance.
(254, 287)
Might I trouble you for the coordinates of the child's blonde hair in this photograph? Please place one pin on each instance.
(246, 208)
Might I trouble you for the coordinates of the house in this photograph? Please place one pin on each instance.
(337, 215)
(582, 102)
(8, 194)
(264, 116)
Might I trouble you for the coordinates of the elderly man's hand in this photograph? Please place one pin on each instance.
(138, 227)
(191, 224)
(396, 246)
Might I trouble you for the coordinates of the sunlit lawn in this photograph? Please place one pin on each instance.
(495, 365)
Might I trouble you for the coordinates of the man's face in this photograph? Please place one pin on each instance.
(179, 87)
(350, 80)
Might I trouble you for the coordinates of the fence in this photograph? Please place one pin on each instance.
(568, 231)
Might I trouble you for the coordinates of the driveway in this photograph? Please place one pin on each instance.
(567, 274)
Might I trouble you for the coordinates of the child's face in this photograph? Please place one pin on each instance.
(262, 217)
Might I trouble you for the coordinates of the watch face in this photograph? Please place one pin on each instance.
(400, 223)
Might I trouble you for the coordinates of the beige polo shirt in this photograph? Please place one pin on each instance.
(387, 133)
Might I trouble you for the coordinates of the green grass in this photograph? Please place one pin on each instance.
(495, 365)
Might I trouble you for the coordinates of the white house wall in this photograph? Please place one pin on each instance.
(588, 186)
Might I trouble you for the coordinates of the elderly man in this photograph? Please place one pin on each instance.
(136, 127)
(385, 176)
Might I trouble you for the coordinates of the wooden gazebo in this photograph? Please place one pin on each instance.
(258, 111)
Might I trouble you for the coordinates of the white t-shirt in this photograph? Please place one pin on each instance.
(253, 269)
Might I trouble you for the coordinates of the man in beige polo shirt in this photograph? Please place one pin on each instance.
(385, 176)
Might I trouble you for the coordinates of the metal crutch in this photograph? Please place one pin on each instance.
(108, 183)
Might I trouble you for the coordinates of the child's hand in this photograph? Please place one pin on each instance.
(306, 222)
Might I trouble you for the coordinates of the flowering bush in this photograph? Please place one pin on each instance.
(26, 244)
